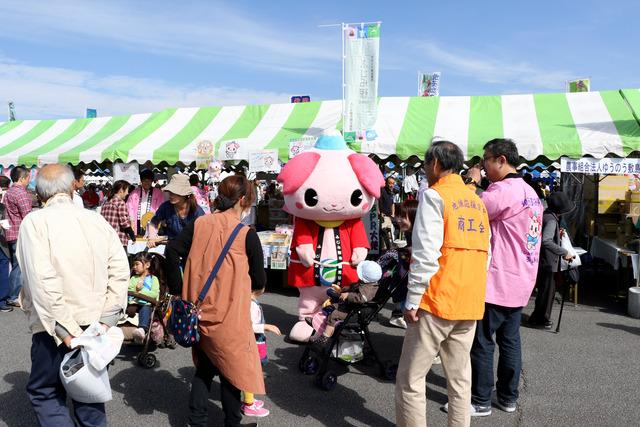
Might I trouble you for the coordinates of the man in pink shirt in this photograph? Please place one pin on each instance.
(515, 216)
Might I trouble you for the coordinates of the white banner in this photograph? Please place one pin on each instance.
(235, 149)
(264, 161)
(129, 172)
(429, 84)
(204, 154)
(297, 146)
(589, 165)
(362, 50)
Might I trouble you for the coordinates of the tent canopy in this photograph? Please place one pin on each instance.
(549, 125)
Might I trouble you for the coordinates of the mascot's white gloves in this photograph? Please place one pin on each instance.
(306, 254)
(358, 255)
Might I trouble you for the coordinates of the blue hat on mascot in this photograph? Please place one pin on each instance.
(331, 142)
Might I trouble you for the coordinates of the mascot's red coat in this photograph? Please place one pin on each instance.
(352, 235)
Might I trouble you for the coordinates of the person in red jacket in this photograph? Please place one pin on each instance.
(90, 197)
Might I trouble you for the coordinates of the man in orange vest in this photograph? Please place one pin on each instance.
(447, 283)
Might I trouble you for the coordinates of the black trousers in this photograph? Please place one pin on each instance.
(47, 394)
(200, 389)
(545, 282)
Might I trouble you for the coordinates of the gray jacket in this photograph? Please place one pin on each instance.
(551, 251)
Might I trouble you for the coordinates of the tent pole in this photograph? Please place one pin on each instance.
(629, 106)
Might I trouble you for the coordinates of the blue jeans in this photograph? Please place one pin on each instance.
(504, 322)
(5, 286)
(47, 394)
(15, 277)
(144, 317)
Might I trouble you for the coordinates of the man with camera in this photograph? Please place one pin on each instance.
(515, 217)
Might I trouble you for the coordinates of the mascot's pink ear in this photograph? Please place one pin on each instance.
(297, 170)
(368, 173)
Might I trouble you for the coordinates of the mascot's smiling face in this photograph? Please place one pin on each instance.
(330, 185)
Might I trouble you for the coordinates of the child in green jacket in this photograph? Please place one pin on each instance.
(145, 283)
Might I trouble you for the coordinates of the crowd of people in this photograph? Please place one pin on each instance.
(473, 257)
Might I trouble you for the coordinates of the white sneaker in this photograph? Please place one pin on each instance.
(398, 322)
(138, 335)
(474, 410)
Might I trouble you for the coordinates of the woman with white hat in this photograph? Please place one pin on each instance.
(176, 213)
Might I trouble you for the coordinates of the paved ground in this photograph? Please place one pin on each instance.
(588, 375)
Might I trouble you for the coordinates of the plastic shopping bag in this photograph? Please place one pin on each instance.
(565, 242)
(82, 381)
(350, 351)
(101, 347)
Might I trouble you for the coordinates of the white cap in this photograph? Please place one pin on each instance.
(369, 272)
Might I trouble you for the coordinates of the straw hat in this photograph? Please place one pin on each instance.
(179, 185)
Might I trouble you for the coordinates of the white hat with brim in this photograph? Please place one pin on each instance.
(179, 185)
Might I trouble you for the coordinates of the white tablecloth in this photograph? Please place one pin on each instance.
(612, 254)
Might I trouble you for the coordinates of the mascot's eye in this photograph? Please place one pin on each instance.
(311, 197)
(356, 198)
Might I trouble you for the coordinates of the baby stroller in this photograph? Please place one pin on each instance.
(156, 332)
(146, 358)
(354, 329)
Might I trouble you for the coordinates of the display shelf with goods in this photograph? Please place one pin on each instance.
(275, 246)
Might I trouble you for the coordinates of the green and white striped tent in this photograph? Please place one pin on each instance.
(550, 125)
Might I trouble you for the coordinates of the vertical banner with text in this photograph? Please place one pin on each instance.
(361, 62)
(429, 84)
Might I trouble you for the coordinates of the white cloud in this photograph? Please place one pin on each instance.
(209, 32)
(45, 92)
(504, 71)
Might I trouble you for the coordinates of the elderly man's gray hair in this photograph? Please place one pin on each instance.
(448, 154)
(54, 179)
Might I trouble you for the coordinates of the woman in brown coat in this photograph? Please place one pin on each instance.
(227, 344)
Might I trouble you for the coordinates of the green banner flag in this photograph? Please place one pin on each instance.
(579, 85)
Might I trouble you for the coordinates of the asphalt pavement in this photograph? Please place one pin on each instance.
(587, 375)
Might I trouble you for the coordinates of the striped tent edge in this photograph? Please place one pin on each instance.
(547, 125)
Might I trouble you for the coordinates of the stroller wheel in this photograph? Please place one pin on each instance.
(327, 381)
(309, 365)
(147, 361)
(389, 370)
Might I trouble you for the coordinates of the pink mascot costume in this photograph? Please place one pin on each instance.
(328, 189)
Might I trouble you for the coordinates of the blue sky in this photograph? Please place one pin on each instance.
(123, 57)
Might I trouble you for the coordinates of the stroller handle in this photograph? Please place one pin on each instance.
(297, 261)
(143, 297)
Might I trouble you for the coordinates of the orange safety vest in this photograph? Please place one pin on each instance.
(457, 290)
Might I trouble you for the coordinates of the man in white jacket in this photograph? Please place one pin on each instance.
(75, 273)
